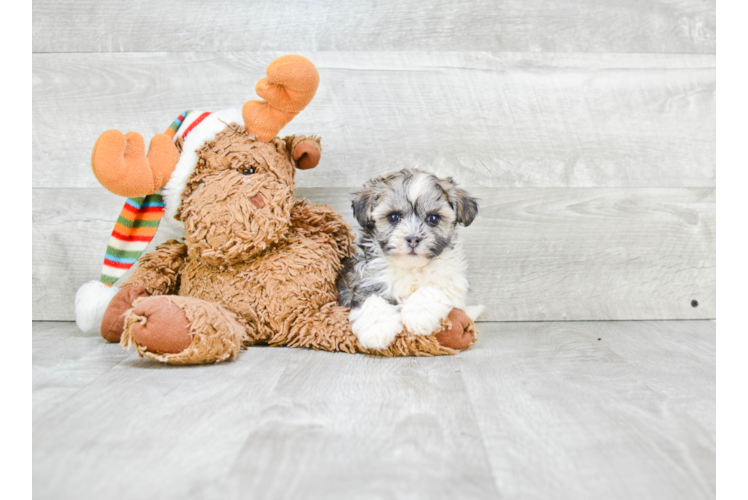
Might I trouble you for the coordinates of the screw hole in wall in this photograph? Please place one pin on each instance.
(694, 303)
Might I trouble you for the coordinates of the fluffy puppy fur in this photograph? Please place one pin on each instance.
(410, 268)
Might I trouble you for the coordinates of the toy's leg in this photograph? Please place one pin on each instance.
(457, 332)
(329, 330)
(113, 322)
(183, 330)
(460, 333)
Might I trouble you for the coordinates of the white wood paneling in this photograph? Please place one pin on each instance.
(683, 26)
(585, 410)
(534, 254)
(492, 120)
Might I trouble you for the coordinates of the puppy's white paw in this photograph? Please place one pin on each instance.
(424, 311)
(422, 320)
(376, 323)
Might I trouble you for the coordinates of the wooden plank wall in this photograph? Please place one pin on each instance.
(587, 128)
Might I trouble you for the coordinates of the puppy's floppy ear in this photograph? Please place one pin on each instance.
(362, 205)
(464, 205)
(365, 201)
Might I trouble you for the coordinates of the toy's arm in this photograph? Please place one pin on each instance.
(157, 274)
(316, 219)
(158, 271)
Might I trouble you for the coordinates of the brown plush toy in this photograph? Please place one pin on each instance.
(256, 265)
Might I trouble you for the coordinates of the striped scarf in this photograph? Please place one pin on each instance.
(137, 224)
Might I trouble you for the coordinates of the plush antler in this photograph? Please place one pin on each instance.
(120, 164)
(290, 85)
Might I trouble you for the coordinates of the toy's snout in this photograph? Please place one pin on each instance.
(258, 201)
(233, 217)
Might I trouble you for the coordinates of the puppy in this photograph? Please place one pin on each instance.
(410, 269)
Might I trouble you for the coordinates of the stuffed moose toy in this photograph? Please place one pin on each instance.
(256, 266)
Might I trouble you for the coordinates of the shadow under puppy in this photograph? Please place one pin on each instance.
(410, 268)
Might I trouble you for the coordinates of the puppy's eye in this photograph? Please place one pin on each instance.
(394, 218)
(249, 171)
(433, 219)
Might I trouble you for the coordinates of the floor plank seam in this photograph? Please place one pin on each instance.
(49, 410)
(486, 456)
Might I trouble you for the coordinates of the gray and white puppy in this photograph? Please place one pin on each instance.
(409, 269)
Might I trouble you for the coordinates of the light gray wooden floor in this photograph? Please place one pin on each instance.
(534, 411)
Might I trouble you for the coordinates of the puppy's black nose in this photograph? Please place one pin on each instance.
(413, 241)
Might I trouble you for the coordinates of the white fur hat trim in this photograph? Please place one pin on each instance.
(205, 131)
(91, 302)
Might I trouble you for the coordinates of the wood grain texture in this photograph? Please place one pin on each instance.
(533, 411)
(684, 26)
(533, 254)
(491, 120)
(64, 361)
(615, 410)
(263, 428)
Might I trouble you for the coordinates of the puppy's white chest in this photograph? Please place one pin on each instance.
(445, 274)
(408, 281)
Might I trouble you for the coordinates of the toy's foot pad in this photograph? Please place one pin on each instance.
(162, 326)
(458, 337)
(113, 322)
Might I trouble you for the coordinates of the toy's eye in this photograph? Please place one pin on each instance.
(433, 219)
(248, 171)
(394, 218)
